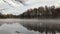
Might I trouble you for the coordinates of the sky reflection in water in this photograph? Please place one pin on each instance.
(12, 28)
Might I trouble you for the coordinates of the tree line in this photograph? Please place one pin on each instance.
(8, 16)
(40, 12)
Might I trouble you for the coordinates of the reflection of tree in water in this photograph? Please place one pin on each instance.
(17, 32)
(47, 28)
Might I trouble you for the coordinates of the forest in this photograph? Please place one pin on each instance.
(40, 12)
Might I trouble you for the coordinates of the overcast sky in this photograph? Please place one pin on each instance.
(15, 7)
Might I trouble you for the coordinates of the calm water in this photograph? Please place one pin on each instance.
(10, 26)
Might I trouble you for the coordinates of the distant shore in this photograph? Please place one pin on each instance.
(29, 20)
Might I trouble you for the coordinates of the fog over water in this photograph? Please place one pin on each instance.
(12, 28)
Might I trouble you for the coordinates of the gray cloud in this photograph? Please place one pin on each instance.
(18, 8)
